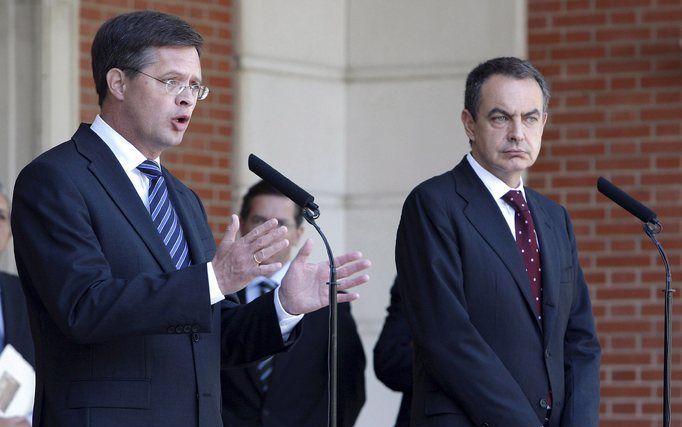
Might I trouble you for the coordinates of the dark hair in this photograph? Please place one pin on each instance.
(506, 66)
(124, 42)
(262, 188)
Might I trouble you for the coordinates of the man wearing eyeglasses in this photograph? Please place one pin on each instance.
(123, 281)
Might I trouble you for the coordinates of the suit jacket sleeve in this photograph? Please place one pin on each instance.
(393, 350)
(449, 346)
(62, 256)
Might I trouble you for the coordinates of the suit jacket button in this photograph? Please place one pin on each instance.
(195, 337)
(544, 404)
(547, 354)
(171, 330)
(178, 329)
(485, 425)
(187, 329)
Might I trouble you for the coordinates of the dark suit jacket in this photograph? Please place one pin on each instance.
(393, 355)
(15, 316)
(297, 393)
(481, 356)
(122, 339)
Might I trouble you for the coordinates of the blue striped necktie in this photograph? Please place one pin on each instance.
(164, 216)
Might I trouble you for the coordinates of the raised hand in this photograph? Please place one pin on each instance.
(239, 260)
(304, 288)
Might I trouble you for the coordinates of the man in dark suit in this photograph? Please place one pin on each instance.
(14, 327)
(119, 265)
(291, 389)
(497, 303)
(393, 355)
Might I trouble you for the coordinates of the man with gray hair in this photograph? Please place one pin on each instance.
(488, 270)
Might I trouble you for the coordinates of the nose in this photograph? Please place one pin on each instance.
(516, 129)
(186, 97)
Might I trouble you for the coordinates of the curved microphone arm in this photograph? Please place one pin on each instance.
(310, 216)
(651, 229)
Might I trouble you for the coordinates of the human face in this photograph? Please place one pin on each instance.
(5, 231)
(506, 137)
(152, 119)
(267, 206)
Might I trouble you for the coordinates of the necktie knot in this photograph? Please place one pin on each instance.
(516, 200)
(150, 168)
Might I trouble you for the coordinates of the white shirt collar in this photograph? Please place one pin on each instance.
(126, 153)
(495, 185)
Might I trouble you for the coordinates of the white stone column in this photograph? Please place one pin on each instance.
(358, 101)
(39, 65)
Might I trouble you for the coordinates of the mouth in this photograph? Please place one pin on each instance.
(180, 123)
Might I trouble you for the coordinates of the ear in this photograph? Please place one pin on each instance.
(544, 119)
(116, 83)
(468, 122)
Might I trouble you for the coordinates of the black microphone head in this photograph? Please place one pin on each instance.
(298, 195)
(625, 201)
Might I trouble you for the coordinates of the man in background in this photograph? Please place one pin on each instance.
(290, 389)
(14, 328)
(488, 269)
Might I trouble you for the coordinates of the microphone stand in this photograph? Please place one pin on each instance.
(310, 216)
(651, 229)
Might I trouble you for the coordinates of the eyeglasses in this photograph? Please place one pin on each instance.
(173, 87)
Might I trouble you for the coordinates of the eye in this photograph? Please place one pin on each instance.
(499, 119)
(532, 119)
(172, 83)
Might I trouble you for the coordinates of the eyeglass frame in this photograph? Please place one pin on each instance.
(169, 85)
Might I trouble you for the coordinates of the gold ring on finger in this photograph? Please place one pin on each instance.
(256, 259)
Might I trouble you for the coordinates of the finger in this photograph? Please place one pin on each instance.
(270, 237)
(262, 229)
(347, 297)
(232, 229)
(352, 282)
(268, 251)
(304, 252)
(346, 258)
(354, 267)
(268, 270)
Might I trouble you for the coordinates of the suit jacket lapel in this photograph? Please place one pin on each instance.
(484, 214)
(106, 168)
(550, 259)
(181, 202)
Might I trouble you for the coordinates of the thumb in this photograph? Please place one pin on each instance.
(232, 230)
(304, 252)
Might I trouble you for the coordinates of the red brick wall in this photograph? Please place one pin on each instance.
(203, 161)
(615, 67)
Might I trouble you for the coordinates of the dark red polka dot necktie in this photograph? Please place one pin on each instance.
(526, 243)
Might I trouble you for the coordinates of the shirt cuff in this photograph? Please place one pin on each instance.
(287, 322)
(215, 293)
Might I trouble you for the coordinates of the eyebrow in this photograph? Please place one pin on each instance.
(496, 110)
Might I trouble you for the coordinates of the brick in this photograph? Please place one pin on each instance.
(590, 52)
(578, 19)
(623, 66)
(663, 15)
(623, 132)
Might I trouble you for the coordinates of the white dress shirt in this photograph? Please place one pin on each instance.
(497, 189)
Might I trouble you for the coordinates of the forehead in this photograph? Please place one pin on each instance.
(510, 94)
(180, 59)
(272, 206)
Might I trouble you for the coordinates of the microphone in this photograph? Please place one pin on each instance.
(625, 201)
(298, 195)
